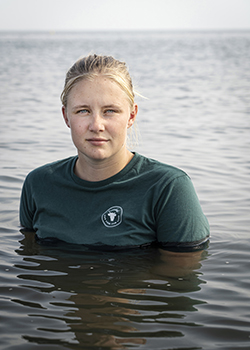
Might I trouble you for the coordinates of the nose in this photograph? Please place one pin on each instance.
(96, 123)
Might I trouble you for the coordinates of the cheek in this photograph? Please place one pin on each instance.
(119, 129)
(78, 128)
(121, 134)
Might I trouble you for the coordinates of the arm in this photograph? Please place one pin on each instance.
(181, 224)
(27, 206)
(171, 264)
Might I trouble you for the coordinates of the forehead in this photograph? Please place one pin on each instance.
(97, 87)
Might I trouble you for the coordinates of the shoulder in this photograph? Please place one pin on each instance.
(158, 170)
(51, 169)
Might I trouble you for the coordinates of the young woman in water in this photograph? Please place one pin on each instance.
(108, 197)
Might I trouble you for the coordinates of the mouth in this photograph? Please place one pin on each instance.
(97, 141)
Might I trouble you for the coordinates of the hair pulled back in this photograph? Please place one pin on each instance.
(94, 65)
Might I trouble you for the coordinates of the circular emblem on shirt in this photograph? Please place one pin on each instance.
(112, 217)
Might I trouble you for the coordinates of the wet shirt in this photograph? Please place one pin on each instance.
(146, 202)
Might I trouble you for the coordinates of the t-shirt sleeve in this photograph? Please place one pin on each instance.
(27, 206)
(181, 224)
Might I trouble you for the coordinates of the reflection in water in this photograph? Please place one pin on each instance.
(109, 300)
(196, 117)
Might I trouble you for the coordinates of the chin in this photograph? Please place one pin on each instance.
(98, 155)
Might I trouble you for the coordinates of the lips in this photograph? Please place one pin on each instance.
(97, 141)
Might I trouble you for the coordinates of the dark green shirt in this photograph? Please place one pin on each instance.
(145, 202)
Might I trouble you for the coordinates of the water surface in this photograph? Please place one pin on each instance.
(195, 117)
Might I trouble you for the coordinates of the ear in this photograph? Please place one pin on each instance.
(133, 115)
(65, 117)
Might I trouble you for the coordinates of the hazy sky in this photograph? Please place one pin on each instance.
(123, 14)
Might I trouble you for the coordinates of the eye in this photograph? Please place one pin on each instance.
(110, 111)
(82, 111)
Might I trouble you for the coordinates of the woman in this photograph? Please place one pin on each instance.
(107, 196)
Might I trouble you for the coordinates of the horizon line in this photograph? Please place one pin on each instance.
(124, 30)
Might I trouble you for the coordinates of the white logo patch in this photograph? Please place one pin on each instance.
(112, 217)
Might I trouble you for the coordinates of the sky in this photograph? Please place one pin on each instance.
(62, 15)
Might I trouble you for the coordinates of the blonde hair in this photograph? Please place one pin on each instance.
(94, 65)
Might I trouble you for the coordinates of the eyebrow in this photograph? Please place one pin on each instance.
(112, 106)
(80, 106)
(106, 106)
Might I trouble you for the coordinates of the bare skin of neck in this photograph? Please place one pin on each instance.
(94, 170)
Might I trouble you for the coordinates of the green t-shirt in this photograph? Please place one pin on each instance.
(145, 202)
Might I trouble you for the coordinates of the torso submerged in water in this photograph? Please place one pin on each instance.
(146, 202)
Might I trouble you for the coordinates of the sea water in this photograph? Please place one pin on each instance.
(196, 116)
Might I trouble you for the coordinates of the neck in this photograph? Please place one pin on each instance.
(98, 170)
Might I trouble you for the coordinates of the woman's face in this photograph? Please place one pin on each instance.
(99, 114)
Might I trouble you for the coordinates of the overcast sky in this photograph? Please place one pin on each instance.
(123, 14)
